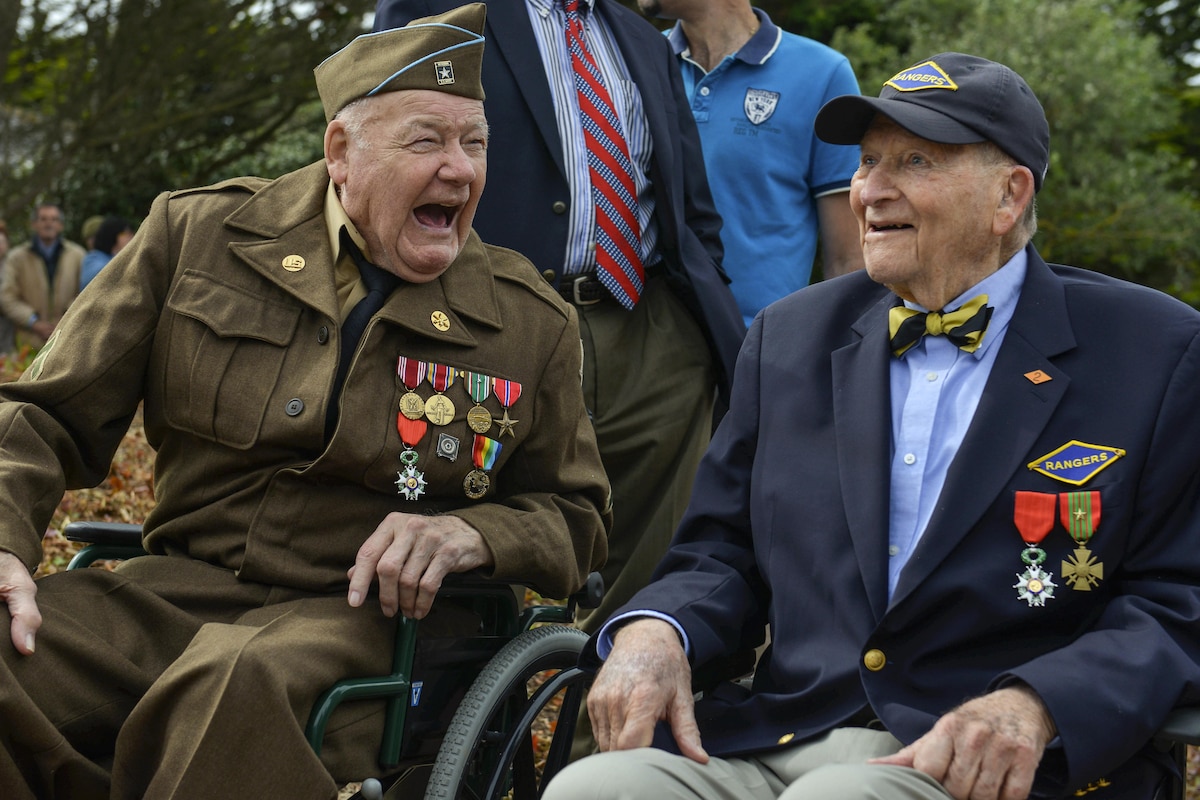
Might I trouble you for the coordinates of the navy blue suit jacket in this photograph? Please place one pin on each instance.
(788, 525)
(524, 205)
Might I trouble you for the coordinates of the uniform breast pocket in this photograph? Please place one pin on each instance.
(226, 348)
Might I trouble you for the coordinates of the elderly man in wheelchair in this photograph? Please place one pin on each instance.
(350, 397)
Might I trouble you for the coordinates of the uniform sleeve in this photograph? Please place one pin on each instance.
(61, 423)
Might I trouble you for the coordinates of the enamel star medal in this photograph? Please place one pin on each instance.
(439, 408)
(480, 388)
(507, 392)
(410, 481)
(411, 372)
(1080, 515)
(1034, 517)
(483, 454)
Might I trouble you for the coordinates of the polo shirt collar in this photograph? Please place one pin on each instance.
(761, 46)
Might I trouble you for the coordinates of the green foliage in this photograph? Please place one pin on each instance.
(106, 103)
(1113, 199)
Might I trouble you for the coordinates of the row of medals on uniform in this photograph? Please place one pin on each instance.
(416, 414)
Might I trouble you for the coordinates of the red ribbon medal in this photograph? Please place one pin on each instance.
(411, 372)
(507, 392)
(1033, 514)
(410, 481)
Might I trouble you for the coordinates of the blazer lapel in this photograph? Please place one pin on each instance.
(513, 39)
(1010, 417)
(863, 426)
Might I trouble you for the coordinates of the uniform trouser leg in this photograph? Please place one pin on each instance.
(830, 768)
(228, 711)
(61, 707)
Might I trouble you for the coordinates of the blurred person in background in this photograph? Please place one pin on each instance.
(112, 234)
(41, 277)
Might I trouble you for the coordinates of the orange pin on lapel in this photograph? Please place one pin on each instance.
(1037, 376)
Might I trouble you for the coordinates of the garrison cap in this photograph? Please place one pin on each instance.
(443, 53)
(951, 98)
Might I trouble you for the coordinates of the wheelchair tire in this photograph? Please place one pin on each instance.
(482, 754)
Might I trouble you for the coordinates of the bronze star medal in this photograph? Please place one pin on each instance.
(1080, 515)
(507, 392)
(1033, 514)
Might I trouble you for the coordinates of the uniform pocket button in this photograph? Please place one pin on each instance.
(294, 407)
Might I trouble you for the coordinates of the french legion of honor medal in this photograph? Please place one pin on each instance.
(1034, 517)
(411, 373)
(1080, 515)
(507, 392)
(439, 408)
(410, 481)
(483, 454)
(480, 387)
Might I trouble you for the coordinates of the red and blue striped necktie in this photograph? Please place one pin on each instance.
(618, 236)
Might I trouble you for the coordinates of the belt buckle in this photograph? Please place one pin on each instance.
(575, 284)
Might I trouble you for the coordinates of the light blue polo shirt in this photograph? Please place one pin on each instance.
(765, 165)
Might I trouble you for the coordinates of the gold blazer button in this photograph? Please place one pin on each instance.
(874, 660)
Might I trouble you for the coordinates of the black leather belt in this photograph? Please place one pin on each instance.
(587, 290)
(582, 290)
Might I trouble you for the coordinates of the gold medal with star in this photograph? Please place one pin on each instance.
(1080, 515)
(507, 392)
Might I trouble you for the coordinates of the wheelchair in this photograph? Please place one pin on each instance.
(460, 713)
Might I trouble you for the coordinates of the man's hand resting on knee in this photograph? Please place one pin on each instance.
(987, 748)
(410, 554)
(646, 678)
(17, 590)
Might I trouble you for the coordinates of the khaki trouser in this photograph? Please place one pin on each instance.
(648, 384)
(830, 768)
(191, 683)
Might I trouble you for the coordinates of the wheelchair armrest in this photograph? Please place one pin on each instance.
(104, 540)
(1182, 726)
(119, 534)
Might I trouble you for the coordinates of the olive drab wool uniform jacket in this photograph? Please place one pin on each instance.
(222, 315)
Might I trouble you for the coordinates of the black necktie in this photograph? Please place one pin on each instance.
(379, 285)
(964, 327)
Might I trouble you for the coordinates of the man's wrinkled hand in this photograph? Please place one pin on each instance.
(410, 554)
(646, 678)
(17, 590)
(988, 748)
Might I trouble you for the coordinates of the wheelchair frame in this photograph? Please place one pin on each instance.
(486, 749)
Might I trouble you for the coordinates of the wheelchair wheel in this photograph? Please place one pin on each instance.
(489, 749)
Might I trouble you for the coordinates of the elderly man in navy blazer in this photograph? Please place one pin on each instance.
(652, 363)
(962, 488)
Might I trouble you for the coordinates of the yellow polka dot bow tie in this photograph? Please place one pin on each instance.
(964, 327)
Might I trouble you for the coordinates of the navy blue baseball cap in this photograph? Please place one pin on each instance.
(951, 98)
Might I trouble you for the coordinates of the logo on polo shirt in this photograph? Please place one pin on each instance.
(927, 75)
(760, 105)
